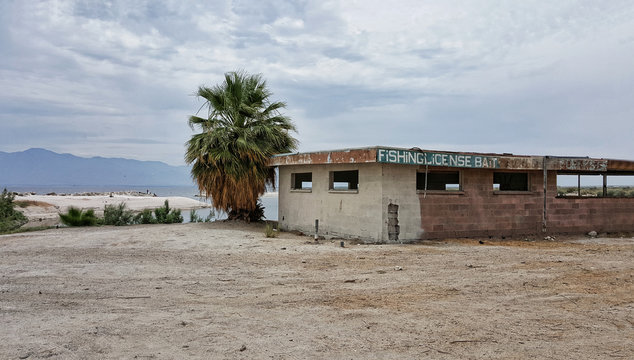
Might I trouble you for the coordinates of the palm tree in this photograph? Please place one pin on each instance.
(230, 155)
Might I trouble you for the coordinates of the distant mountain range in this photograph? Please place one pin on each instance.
(44, 167)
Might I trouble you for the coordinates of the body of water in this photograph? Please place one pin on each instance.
(269, 200)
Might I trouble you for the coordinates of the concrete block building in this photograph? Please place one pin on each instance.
(383, 194)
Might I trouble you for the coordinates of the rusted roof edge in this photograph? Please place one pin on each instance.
(343, 156)
(501, 161)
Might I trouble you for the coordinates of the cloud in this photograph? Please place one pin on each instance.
(116, 78)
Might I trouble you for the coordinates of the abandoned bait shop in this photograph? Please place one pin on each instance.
(385, 194)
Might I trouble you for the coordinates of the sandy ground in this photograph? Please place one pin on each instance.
(47, 207)
(224, 291)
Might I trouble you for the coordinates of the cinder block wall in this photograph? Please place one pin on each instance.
(581, 215)
(482, 212)
(479, 211)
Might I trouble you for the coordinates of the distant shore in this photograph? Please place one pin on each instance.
(91, 193)
(43, 210)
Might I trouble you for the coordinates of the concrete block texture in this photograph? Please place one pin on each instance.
(388, 208)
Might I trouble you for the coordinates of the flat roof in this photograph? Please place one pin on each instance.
(453, 159)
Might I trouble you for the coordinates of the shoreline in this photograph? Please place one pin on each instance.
(89, 193)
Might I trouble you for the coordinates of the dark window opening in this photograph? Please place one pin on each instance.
(446, 180)
(510, 181)
(302, 181)
(344, 180)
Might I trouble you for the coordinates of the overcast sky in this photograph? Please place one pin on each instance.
(116, 78)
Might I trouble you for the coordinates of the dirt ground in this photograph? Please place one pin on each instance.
(224, 291)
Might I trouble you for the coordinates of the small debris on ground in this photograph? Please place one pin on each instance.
(470, 266)
(592, 233)
(243, 347)
(398, 268)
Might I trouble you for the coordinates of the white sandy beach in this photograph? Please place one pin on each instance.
(45, 208)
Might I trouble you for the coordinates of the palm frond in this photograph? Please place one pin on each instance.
(243, 129)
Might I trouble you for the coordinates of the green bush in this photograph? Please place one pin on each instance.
(162, 215)
(78, 217)
(144, 217)
(165, 215)
(270, 231)
(9, 217)
(195, 218)
(117, 215)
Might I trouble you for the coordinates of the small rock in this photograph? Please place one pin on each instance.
(283, 248)
(398, 268)
(243, 347)
(303, 261)
(592, 233)
(549, 238)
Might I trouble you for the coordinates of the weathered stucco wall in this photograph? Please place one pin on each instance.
(399, 188)
(362, 215)
(340, 214)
